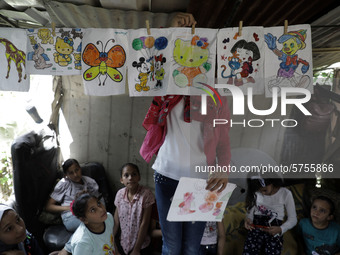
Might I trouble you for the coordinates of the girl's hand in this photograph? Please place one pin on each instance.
(16, 252)
(273, 230)
(248, 224)
(183, 20)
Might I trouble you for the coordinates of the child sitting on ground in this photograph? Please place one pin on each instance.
(321, 235)
(14, 238)
(133, 213)
(95, 232)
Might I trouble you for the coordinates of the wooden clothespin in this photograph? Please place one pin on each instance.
(148, 27)
(285, 31)
(240, 28)
(53, 28)
(193, 29)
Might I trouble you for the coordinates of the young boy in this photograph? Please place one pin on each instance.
(320, 233)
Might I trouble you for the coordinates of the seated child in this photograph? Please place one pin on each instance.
(66, 190)
(133, 213)
(95, 232)
(14, 238)
(266, 202)
(213, 239)
(321, 235)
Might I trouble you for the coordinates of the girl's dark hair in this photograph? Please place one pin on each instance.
(329, 201)
(79, 206)
(69, 163)
(130, 165)
(243, 44)
(254, 184)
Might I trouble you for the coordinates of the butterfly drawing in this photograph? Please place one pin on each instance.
(103, 63)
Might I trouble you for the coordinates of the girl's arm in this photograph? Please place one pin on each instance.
(116, 223)
(291, 213)
(221, 237)
(52, 206)
(143, 230)
(115, 229)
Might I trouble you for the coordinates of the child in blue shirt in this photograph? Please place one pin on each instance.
(321, 235)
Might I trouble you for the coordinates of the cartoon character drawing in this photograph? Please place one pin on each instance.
(12, 53)
(159, 70)
(77, 58)
(76, 33)
(234, 62)
(45, 35)
(103, 63)
(186, 204)
(291, 42)
(64, 33)
(244, 53)
(40, 58)
(144, 72)
(64, 49)
(192, 56)
(210, 198)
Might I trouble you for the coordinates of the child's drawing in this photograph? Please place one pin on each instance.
(148, 62)
(188, 199)
(104, 61)
(191, 202)
(293, 52)
(13, 60)
(53, 54)
(193, 61)
(240, 58)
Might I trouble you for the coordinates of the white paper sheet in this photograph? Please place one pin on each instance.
(13, 75)
(240, 59)
(288, 60)
(192, 202)
(104, 56)
(193, 61)
(58, 54)
(149, 62)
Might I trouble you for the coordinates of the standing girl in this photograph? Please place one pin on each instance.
(95, 232)
(133, 213)
(266, 203)
(66, 190)
(14, 238)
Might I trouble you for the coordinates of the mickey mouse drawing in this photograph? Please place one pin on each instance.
(144, 72)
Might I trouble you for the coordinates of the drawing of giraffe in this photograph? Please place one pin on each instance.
(15, 55)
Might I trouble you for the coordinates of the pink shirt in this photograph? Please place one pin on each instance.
(130, 216)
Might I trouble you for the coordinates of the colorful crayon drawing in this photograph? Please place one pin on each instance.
(290, 44)
(54, 54)
(192, 58)
(185, 206)
(150, 66)
(192, 202)
(210, 199)
(103, 63)
(241, 63)
(12, 53)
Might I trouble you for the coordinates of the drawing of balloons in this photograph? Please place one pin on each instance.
(137, 44)
(149, 42)
(161, 43)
